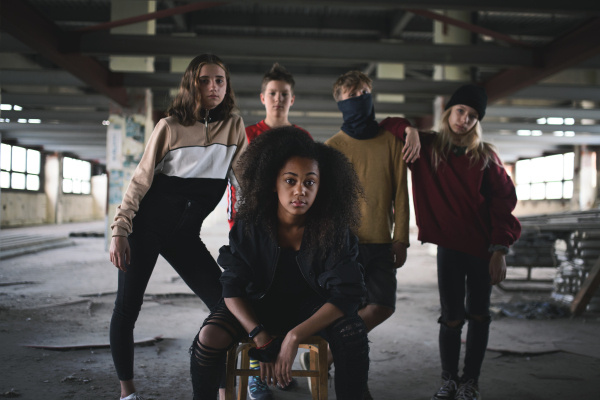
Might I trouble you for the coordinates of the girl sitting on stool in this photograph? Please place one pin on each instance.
(290, 267)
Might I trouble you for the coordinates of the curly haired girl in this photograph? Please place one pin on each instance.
(290, 267)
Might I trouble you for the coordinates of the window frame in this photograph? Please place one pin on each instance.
(41, 175)
(545, 182)
(62, 177)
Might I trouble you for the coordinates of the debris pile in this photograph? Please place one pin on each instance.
(577, 255)
(533, 310)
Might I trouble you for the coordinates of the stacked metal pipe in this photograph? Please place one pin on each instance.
(533, 249)
(578, 254)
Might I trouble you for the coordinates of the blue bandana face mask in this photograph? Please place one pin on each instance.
(359, 117)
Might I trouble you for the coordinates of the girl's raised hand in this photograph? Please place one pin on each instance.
(412, 145)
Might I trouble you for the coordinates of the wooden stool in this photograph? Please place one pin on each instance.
(318, 358)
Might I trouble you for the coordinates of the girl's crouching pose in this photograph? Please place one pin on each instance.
(290, 267)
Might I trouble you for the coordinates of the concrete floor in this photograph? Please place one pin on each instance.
(531, 361)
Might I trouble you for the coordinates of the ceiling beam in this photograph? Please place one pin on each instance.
(515, 126)
(47, 77)
(200, 5)
(470, 27)
(177, 18)
(244, 84)
(303, 103)
(569, 50)
(45, 128)
(400, 23)
(575, 6)
(58, 115)
(55, 100)
(541, 112)
(305, 49)
(28, 25)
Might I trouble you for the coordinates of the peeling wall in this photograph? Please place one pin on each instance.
(75, 208)
(22, 208)
(53, 206)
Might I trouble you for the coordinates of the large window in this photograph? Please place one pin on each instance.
(76, 176)
(546, 178)
(20, 168)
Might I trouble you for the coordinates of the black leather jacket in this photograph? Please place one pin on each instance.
(250, 260)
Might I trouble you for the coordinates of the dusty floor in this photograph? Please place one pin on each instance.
(404, 352)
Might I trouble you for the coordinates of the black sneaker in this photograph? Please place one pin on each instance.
(468, 391)
(447, 391)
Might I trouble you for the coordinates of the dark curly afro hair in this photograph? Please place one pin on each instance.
(336, 207)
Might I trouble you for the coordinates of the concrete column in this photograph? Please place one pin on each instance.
(127, 134)
(587, 179)
(53, 186)
(575, 203)
(180, 64)
(449, 34)
(121, 9)
(389, 71)
(129, 128)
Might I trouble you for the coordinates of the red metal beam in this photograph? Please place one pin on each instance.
(150, 16)
(470, 27)
(565, 52)
(27, 24)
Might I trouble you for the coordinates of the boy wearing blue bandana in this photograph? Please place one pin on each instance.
(378, 160)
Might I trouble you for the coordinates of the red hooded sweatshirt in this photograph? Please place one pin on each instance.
(460, 206)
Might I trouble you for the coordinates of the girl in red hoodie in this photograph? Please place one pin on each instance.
(463, 203)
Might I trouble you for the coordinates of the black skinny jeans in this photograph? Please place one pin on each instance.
(347, 338)
(168, 225)
(453, 268)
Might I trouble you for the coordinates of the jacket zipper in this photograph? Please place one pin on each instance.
(307, 281)
(206, 126)
(274, 270)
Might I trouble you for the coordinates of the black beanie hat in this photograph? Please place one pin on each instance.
(472, 96)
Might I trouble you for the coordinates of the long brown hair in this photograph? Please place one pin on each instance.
(187, 105)
(477, 149)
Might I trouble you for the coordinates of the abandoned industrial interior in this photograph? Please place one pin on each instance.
(83, 83)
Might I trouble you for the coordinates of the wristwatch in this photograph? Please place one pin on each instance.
(256, 331)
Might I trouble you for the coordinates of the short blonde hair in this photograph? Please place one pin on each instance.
(349, 81)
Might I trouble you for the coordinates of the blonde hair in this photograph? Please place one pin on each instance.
(477, 149)
(349, 81)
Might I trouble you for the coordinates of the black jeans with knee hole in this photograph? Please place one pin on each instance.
(347, 338)
(167, 225)
(463, 277)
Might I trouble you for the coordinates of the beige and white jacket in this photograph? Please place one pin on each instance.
(193, 161)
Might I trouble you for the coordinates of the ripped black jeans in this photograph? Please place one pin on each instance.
(347, 338)
(458, 271)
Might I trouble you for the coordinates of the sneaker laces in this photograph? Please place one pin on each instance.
(448, 386)
(258, 385)
(467, 391)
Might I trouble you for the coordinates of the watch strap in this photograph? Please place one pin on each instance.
(259, 328)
